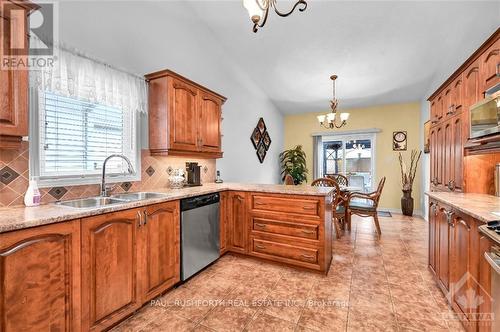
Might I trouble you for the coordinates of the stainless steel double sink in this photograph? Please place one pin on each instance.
(94, 202)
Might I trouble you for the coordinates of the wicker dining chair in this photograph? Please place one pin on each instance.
(365, 209)
(289, 180)
(342, 180)
(338, 211)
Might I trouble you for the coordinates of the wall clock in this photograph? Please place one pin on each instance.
(399, 141)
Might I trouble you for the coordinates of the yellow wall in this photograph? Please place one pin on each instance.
(388, 118)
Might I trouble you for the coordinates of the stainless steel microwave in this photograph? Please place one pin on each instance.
(485, 117)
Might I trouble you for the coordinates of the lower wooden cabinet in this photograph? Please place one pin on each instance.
(223, 212)
(110, 284)
(456, 257)
(40, 278)
(129, 258)
(237, 226)
(160, 249)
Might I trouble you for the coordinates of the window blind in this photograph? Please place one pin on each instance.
(76, 136)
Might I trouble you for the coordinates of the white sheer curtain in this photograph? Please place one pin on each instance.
(79, 76)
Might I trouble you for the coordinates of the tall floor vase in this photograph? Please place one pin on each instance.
(407, 203)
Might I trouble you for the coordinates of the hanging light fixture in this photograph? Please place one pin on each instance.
(258, 10)
(331, 118)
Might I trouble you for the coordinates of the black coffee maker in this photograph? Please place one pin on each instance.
(193, 175)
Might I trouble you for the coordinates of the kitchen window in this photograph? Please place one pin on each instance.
(77, 121)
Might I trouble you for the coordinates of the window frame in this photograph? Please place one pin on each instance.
(73, 180)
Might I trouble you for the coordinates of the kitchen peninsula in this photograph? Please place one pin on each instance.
(139, 241)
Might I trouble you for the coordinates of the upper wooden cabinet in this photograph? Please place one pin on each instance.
(489, 65)
(13, 83)
(184, 117)
(40, 278)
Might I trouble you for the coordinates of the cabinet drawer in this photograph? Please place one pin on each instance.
(287, 205)
(285, 228)
(277, 249)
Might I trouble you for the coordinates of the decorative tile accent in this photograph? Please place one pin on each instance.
(205, 169)
(170, 170)
(150, 171)
(58, 192)
(127, 185)
(7, 175)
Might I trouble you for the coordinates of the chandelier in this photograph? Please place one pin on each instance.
(259, 9)
(331, 118)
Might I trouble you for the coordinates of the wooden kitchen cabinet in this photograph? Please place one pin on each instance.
(443, 220)
(14, 83)
(472, 84)
(40, 278)
(159, 240)
(184, 117)
(464, 267)
(223, 228)
(489, 66)
(433, 235)
(110, 280)
(237, 226)
(484, 287)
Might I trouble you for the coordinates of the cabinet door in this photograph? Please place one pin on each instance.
(448, 109)
(484, 287)
(440, 148)
(110, 289)
(434, 115)
(183, 121)
(237, 217)
(443, 249)
(433, 155)
(40, 278)
(457, 95)
(463, 265)
(447, 154)
(440, 106)
(457, 146)
(471, 90)
(13, 88)
(433, 207)
(209, 123)
(489, 64)
(160, 249)
(224, 206)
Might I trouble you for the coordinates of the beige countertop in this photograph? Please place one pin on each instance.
(13, 218)
(479, 206)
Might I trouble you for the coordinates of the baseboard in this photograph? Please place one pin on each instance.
(417, 213)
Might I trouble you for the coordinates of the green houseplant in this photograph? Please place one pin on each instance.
(293, 162)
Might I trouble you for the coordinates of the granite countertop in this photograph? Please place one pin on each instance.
(479, 206)
(14, 218)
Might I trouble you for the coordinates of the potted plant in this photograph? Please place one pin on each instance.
(293, 162)
(407, 177)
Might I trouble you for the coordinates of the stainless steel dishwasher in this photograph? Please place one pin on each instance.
(200, 237)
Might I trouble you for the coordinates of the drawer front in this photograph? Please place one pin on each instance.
(285, 228)
(287, 205)
(282, 250)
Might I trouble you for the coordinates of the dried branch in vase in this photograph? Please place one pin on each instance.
(408, 175)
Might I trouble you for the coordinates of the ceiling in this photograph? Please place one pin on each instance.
(383, 52)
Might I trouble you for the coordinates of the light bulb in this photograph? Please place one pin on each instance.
(344, 116)
(321, 118)
(331, 117)
(254, 9)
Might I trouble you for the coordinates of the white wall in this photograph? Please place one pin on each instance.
(142, 37)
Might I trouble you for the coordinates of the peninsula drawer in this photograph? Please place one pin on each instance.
(307, 207)
(281, 250)
(306, 231)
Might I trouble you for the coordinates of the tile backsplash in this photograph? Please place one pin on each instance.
(155, 170)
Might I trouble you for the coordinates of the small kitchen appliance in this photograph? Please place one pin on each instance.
(193, 174)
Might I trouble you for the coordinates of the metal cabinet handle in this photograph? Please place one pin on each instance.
(451, 185)
(139, 219)
(307, 256)
(307, 232)
(145, 218)
(449, 215)
(308, 208)
(239, 197)
(260, 225)
(260, 247)
(498, 69)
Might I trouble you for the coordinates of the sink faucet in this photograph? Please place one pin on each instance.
(104, 190)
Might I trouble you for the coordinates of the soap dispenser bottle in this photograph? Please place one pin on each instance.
(32, 196)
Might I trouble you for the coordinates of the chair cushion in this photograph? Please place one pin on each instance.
(362, 206)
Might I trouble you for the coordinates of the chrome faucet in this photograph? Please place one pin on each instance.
(104, 189)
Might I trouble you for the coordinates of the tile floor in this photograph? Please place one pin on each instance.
(372, 285)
